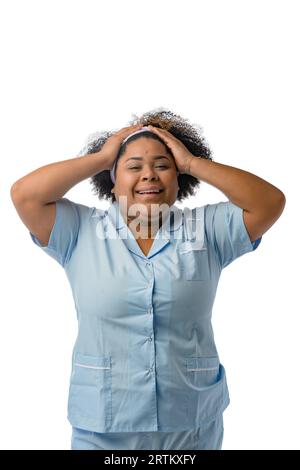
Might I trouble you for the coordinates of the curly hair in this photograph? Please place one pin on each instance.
(189, 135)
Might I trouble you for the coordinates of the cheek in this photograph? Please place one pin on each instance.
(126, 184)
(172, 183)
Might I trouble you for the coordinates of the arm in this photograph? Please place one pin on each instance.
(34, 195)
(262, 202)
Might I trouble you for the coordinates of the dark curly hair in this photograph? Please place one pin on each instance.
(189, 135)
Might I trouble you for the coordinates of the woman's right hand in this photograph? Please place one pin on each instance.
(110, 149)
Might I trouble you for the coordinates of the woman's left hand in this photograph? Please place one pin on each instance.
(181, 154)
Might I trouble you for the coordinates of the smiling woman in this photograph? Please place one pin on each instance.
(145, 172)
(145, 368)
(142, 179)
(190, 136)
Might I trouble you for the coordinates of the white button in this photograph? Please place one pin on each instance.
(151, 369)
(148, 264)
(149, 310)
(150, 338)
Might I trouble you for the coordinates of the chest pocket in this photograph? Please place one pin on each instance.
(193, 255)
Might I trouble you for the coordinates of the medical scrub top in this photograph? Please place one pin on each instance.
(145, 358)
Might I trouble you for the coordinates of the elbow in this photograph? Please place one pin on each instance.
(277, 200)
(281, 195)
(274, 207)
(14, 190)
(17, 192)
(281, 201)
(278, 205)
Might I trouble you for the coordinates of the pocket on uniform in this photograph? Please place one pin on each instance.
(207, 389)
(194, 263)
(90, 393)
(203, 371)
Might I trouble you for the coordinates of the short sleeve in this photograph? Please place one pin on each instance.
(227, 233)
(63, 237)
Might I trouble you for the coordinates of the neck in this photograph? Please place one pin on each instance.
(143, 229)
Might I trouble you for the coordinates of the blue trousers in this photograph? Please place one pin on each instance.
(208, 437)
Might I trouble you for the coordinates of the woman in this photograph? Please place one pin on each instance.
(145, 369)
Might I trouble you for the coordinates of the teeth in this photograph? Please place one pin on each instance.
(146, 192)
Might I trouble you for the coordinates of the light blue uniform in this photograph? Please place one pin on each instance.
(145, 360)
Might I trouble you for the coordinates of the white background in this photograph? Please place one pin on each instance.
(70, 68)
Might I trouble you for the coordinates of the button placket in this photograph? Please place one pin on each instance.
(149, 269)
(150, 275)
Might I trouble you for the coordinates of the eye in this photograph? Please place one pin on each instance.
(137, 167)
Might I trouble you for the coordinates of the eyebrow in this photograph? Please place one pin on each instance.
(141, 158)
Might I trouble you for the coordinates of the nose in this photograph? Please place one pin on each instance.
(149, 174)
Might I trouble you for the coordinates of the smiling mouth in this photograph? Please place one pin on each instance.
(150, 193)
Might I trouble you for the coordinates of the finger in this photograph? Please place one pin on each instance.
(157, 131)
(160, 131)
(164, 134)
(154, 128)
(129, 128)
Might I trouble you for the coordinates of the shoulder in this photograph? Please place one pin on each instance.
(97, 213)
(197, 212)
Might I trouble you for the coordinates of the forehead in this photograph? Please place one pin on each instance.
(145, 148)
(145, 143)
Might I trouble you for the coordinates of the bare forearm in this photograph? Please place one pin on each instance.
(242, 188)
(50, 182)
